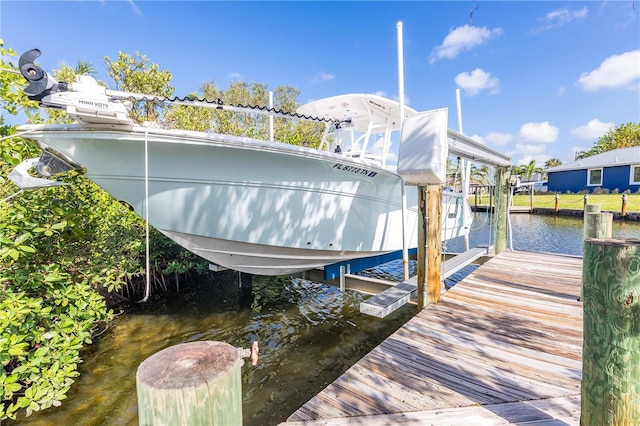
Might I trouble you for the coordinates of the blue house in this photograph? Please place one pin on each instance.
(613, 170)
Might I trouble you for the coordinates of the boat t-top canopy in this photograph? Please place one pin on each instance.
(362, 110)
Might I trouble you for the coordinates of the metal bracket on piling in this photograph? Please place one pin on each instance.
(250, 353)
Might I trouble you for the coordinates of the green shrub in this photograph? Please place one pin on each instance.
(60, 249)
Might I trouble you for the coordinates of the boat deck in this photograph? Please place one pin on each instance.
(503, 346)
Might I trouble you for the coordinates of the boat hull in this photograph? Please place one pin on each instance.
(253, 206)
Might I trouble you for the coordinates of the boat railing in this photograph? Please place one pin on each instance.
(354, 144)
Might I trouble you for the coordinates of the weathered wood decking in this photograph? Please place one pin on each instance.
(503, 346)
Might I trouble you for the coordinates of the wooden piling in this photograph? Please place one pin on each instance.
(611, 347)
(197, 383)
(434, 243)
(421, 255)
(557, 202)
(592, 208)
(623, 211)
(501, 209)
(598, 225)
(589, 208)
(586, 201)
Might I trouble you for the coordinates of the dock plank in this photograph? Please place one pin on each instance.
(503, 346)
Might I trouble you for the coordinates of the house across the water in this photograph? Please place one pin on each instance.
(612, 170)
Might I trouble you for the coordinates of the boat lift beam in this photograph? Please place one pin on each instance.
(402, 293)
(469, 149)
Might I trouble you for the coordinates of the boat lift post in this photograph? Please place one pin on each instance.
(405, 248)
(466, 164)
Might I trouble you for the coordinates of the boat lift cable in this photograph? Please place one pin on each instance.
(11, 196)
(147, 290)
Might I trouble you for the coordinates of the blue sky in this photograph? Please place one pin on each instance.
(538, 79)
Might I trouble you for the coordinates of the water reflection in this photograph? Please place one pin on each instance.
(309, 333)
(541, 233)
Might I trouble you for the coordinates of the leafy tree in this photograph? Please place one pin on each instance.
(623, 136)
(188, 117)
(138, 75)
(84, 68)
(61, 250)
(479, 175)
(249, 124)
(526, 170)
(517, 170)
(531, 169)
(552, 162)
(454, 173)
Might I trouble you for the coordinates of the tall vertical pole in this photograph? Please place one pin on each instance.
(501, 209)
(405, 249)
(466, 165)
(459, 111)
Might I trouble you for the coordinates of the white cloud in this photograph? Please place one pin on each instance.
(235, 76)
(574, 151)
(530, 148)
(540, 159)
(616, 71)
(407, 99)
(499, 139)
(476, 81)
(461, 39)
(478, 138)
(323, 76)
(538, 132)
(135, 7)
(593, 130)
(560, 17)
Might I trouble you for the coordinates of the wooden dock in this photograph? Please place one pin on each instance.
(503, 346)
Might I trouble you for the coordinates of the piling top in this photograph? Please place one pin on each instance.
(615, 242)
(188, 364)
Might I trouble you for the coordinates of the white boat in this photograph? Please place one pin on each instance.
(251, 205)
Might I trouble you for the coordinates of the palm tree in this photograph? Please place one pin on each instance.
(84, 68)
(531, 169)
(552, 162)
(454, 173)
(479, 175)
(517, 170)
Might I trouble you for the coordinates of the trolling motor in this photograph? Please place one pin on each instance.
(84, 100)
(41, 83)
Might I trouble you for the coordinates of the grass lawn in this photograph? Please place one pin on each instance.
(608, 202)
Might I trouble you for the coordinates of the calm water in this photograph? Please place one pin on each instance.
(308, 333)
